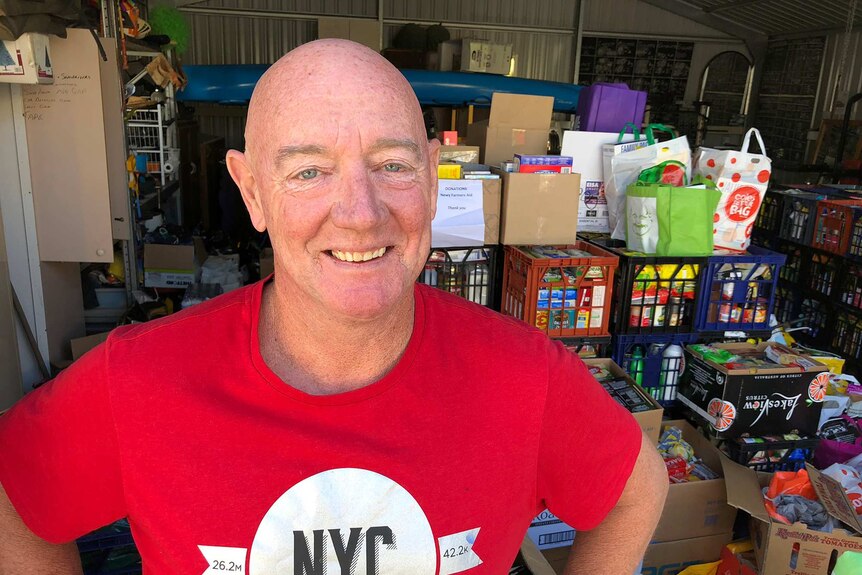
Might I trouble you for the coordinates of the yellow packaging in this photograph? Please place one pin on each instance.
(449, 171)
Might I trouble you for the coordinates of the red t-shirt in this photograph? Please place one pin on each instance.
(179, 425)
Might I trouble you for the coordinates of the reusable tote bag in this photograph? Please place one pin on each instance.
(670, 220)
(616, 207)
(666, 162)
(742, 179)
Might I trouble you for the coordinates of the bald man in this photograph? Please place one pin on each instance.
(337, 418)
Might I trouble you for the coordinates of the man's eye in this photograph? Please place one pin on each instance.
(393, 168)
(308, 174)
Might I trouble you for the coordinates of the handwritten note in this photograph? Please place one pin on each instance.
(63, 95)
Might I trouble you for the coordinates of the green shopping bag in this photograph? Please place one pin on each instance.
(670, 220)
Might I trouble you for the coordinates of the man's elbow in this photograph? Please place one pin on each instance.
(648, 484)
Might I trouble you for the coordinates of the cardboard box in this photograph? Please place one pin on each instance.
(549, 561)
(775, 544)
(448, 171)
(674, 556)
(491, 200)
(698, 508)
(462, 154)
(751, 401)
(361, 30)
(650, 421)
(471, 55)
(517, 125)
(26, 60)
(267, 262)
(539, 208)
(169, 266)
(586, 149)
(547, 531)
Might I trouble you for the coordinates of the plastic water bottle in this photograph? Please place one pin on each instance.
(671, 366)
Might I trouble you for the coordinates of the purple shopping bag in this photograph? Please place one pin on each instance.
(605, 107)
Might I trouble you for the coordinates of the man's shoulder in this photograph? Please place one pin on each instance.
(191, 325)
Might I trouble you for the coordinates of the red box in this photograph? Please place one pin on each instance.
(450, 138)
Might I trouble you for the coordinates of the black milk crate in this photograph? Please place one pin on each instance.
(822, 275)
(800, 212)
(817, 315)
(798, 258)
(654, 295)
(470, 273)
(788, 300)
(769, 216)
(738, 291)
(847, 334)
(771, 453)
(850, 286)
(642, 357)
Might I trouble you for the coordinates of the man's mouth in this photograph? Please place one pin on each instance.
(346, 256)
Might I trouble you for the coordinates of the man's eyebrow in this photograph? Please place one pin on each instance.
(389, 143)
(286, 152)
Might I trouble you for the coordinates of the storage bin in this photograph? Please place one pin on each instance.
(654, 294)
(112, 297)
(847, 335)
(834, 226)
(799, 212)
(738, 291)
(470, 273)
(771, 454)
(642, 356)
(564, 297)
(823, 273)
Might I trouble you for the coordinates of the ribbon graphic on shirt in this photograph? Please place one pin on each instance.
(224, 559)
(456, 552)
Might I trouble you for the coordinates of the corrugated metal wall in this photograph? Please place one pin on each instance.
(545, 13)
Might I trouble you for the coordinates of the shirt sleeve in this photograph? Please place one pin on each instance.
(59, 461)
(589, 444)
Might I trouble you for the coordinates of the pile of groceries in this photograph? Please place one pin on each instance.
(728, 279)
(772, 355)
(682, 464)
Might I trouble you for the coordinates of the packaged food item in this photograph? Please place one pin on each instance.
(713, 354)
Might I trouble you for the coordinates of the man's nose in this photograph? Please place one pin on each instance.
(359, 204)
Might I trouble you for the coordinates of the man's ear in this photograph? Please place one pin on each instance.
(243, 176)
(433, 161)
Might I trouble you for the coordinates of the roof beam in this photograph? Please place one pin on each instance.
(749, 35)
(732, 5)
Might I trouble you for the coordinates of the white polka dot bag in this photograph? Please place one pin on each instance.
(742, 179)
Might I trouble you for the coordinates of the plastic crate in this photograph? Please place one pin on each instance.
(847, 335)
(823, 273)
(794, 268)
(654, 295)
(641, 356)
(769, 216)
(850, 286)
(564, 297)
(834, 224)
(817, 316)
(470, 273)
(799, 212)
(854, 249)
(769, 454)
(738, 291)
(787, 303)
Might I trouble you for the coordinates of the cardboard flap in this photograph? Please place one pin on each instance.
(534, 559)
(743, 489)
(527, 112)
(834, 498)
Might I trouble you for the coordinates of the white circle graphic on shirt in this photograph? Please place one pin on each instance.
(344, 521)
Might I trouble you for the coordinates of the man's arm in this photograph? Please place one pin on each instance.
(23, 553)
(617, 545)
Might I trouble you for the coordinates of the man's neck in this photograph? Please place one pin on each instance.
(322, 355)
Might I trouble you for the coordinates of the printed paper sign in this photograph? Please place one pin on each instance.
(460, 219)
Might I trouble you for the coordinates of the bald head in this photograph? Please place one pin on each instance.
(320, 79)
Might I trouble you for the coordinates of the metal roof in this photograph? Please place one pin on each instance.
(767, 17)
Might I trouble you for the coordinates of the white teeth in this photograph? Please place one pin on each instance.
(358, 256)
